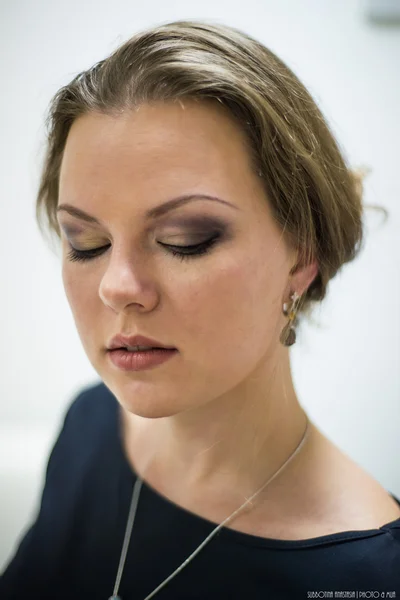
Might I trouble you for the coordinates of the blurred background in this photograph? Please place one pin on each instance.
(346, 367)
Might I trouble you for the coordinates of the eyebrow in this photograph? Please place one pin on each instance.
(152, 213)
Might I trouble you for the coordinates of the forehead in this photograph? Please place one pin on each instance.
(169, 138)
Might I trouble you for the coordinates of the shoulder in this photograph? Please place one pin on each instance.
(334, 495)
(349, 497)
(372, 557)
(88, 420)
(72, 475)
(93, 396)
(89, 424)
(92, 410)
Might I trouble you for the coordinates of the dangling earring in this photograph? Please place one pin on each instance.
(288, 333)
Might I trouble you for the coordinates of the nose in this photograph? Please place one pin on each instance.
(127, 283)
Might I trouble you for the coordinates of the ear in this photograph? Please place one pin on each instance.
(302, 275)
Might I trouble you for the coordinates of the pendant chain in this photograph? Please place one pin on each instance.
(132, 513)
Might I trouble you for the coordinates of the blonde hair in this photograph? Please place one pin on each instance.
(315, 197)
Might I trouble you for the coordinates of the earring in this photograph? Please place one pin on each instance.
(288, 333)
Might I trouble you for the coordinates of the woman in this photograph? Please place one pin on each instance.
(202, 205)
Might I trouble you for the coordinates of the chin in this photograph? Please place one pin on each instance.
(144, 398)
(149, 412)
(149, 409)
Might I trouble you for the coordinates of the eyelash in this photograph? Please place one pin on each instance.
(200, 249)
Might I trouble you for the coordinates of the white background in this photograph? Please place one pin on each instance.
(347, 370)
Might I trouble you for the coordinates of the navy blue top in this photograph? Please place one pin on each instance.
(72, 549)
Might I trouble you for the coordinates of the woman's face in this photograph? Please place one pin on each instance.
(222, 309)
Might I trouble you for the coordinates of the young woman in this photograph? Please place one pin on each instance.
(202, 205)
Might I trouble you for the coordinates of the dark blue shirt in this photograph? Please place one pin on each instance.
(72, 549)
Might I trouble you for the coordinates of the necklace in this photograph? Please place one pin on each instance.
(132, 512)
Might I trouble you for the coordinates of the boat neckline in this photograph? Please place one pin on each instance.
(248, 538)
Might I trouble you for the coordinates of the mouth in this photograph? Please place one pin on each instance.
(149, 349)
(136, 342)
(138, 360)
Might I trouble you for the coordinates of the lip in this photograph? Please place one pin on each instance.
(122, 341)
(139, 361)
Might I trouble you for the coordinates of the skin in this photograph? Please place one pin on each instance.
(219, 418)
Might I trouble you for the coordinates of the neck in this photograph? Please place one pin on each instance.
(236, 441)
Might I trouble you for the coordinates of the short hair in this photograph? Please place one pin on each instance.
(316, 199)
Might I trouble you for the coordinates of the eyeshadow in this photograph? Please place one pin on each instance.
(197, 221)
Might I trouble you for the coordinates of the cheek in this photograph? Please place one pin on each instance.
(226, 320)
(230, 313)
(77, 287)
(82, 295)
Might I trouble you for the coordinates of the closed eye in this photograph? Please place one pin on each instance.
(181, 252)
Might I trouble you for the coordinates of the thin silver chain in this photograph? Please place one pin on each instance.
(132, 513)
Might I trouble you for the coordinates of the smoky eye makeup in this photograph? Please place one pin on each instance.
(190, 225)
(193, 237)
(180, 226)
